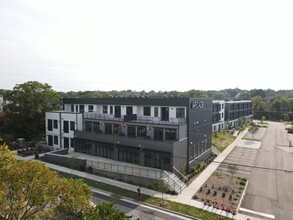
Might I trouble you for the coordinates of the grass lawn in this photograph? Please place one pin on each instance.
(222, 140)
(174, 206)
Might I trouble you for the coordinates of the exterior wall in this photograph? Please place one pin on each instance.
(234, 110)
(199, 129)
(218, 109)
(58, 133)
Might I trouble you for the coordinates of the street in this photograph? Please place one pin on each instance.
(138, 211)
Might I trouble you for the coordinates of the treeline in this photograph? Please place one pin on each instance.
(271, 104)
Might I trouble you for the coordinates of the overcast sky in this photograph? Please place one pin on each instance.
(147, 45)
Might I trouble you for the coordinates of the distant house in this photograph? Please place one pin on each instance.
(1, 103)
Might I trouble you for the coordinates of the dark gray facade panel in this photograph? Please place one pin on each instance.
(179, 155)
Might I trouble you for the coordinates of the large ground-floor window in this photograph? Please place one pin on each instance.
(104, 150)
(158, 159)
(129, 155)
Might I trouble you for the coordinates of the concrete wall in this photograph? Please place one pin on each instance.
(139, 181)
(74, 163)
(179, 155)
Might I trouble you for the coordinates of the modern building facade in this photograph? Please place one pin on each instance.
(235, 110)
(60, 128)
(218, 117)
(226, 114)
(164, 133)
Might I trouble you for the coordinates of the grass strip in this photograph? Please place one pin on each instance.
(170, 205)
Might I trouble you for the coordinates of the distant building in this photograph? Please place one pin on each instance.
(165, 133)
(234, 110)
(226, 114)
(1, 103)
(218, 117)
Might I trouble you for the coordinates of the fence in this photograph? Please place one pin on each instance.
(125, 169)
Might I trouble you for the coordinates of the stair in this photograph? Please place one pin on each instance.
(174, 183)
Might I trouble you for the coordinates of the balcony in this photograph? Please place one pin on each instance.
(134, 118)
(143, 143)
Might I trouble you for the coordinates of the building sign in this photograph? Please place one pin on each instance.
(197, 104)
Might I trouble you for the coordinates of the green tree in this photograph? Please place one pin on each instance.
(260, 107)
(30, 190)
(232, 169)
(160, 186)
(105, 211)
(28, 103)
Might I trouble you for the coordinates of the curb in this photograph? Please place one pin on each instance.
(243, 194)
(136, 202)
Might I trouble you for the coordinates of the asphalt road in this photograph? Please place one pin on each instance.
(140, 212)
(270, 191)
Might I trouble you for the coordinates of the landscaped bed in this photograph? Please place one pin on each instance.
(222, 191)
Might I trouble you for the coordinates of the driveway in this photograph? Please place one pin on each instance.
(270, 190)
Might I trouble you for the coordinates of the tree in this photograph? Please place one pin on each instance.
(232, 169)
(105, 211)
(28, 103)
(30, 190)
(160, 186)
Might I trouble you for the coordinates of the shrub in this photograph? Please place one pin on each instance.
(242, 183)
(223, 195)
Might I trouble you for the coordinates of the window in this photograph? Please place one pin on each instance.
(129, 110)
(105, 109)
(76, 108)
(72, 126)
(180, 112)
(170, 134)
(108, 128)
(158, 134)
(55, 140)
(55, 124)
(96, 127)
(65, 127)
(81, 108)
(91, 108)
(156, 112)
(117, 128)
(131, 131)
(141, 131)
(88, 126)
(66, 142)
(72, 108)
(71, 142)
(50, 128)
(147, 111)
(111, 109)
(165, 114)
(50, 140)
(117, 111)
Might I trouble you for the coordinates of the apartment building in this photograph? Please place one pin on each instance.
(234, 110)
(226, 114)
(218, 117)
(164, 133)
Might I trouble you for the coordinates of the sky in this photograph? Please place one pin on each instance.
(160, 45)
